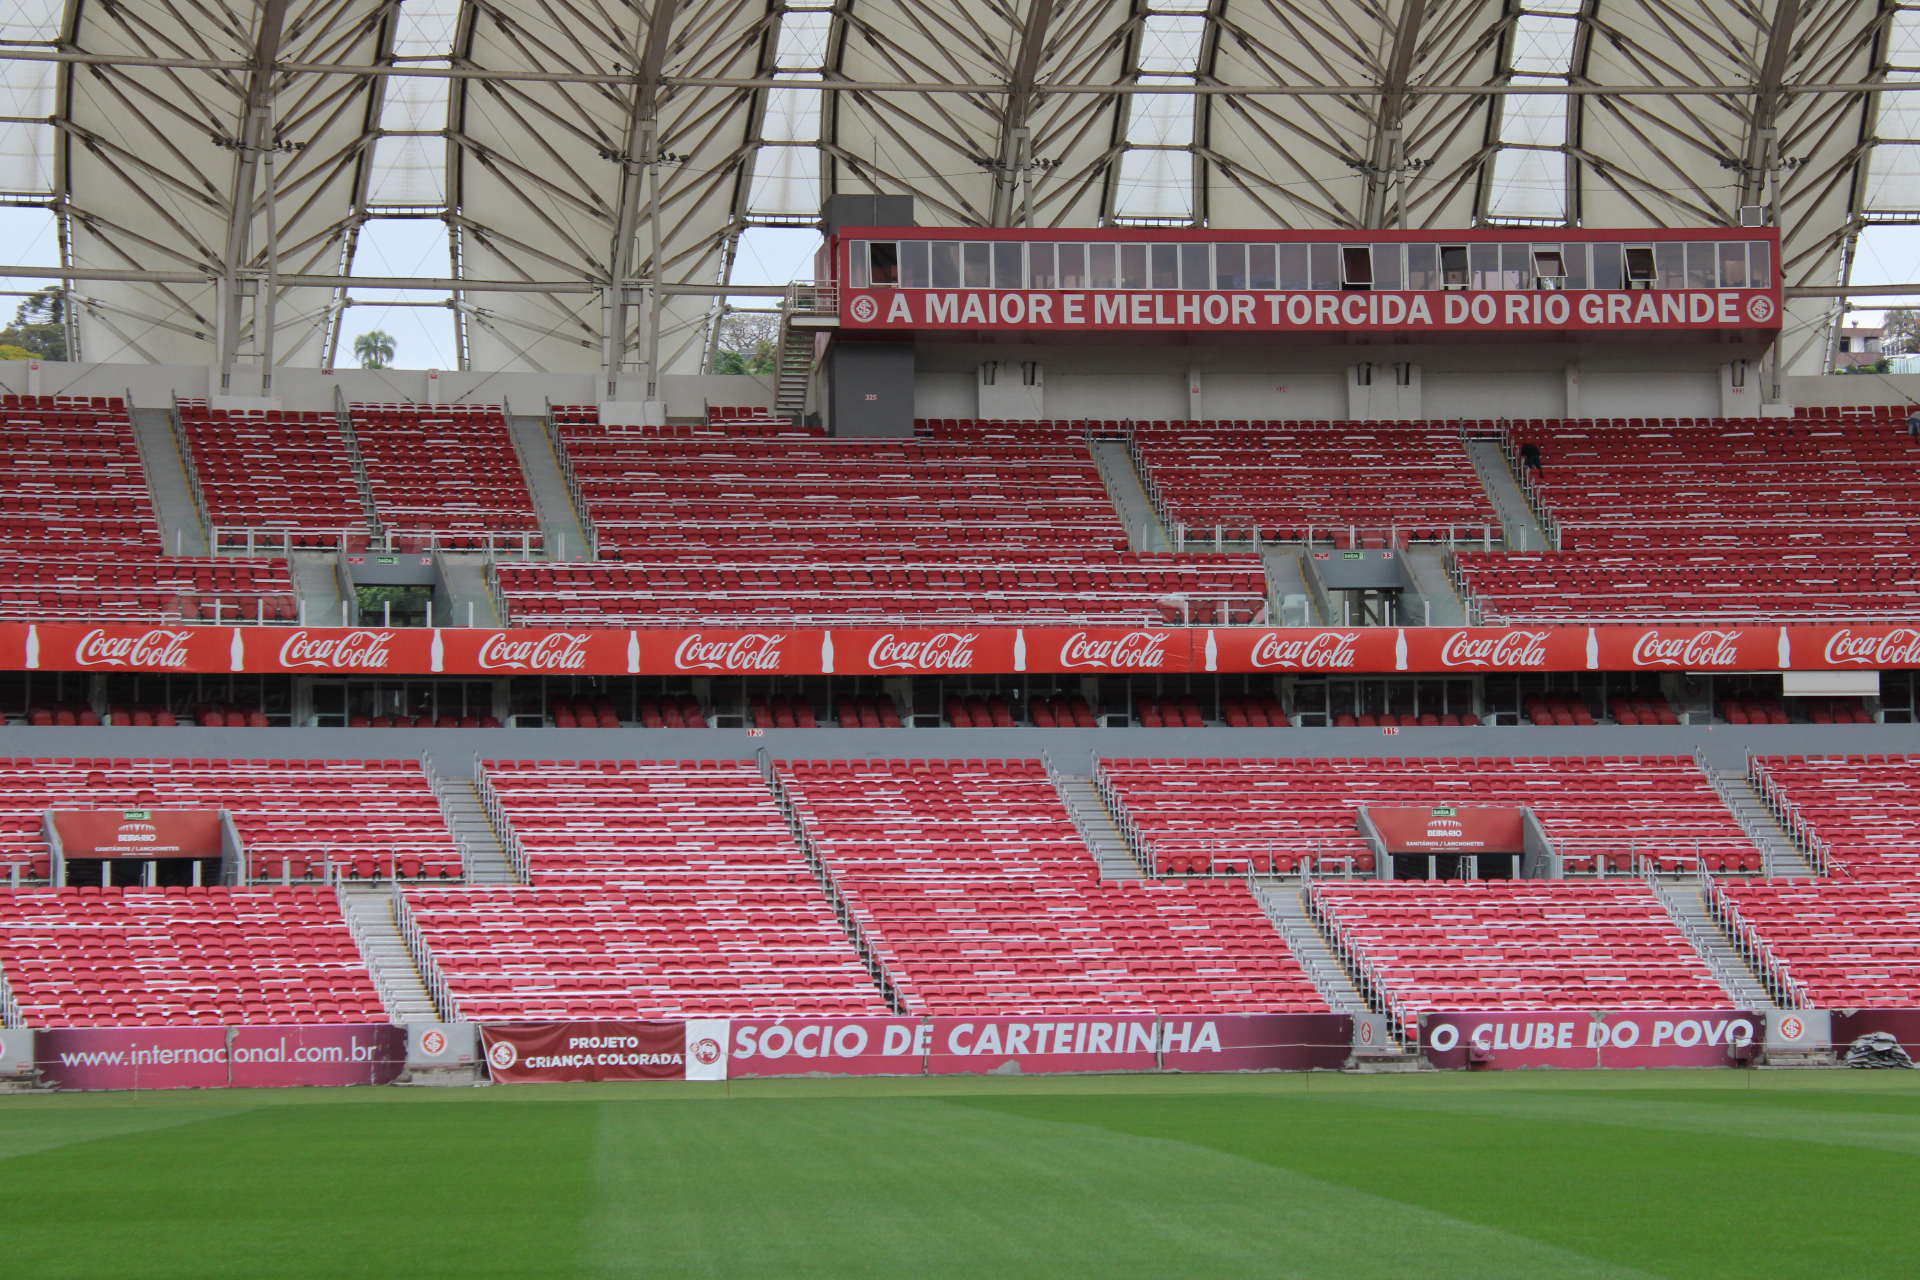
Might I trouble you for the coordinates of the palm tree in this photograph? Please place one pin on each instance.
(373, 349)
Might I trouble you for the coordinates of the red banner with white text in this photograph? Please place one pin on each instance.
(1581, 1038)
(219, 1057)
(995, 650)
(561, 1052)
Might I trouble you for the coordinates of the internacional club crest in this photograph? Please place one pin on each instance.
(1759, 308)
(865, 309)
(503, 1055)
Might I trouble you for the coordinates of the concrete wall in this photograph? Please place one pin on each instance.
(1069, 750)
(155, 386)
(1267, 380)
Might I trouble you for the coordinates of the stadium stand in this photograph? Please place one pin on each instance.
(1712, 520)
(1526, 944)
(1605, 815)
(367, 818)
(79, 540)
(1852, 813)
(662, 889)
(71, 478)
(94, 957)
(973, 886)
(274, 472)
(1356, 483)
(1842, 944)
(446, 476)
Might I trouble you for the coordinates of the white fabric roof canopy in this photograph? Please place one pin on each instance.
(538, 129)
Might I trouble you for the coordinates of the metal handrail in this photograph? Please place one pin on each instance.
(1786, 990)
(243, 540)
(10, 1015)
(1366, 977)
(845, 909)
(1799, 829)
(557, 441)
(435, 981)
(387, 1000)
(437, 785)
(502, 827)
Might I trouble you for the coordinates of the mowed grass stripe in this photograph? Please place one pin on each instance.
(1664, 1187)
(873, 1189)
(1679, 1176)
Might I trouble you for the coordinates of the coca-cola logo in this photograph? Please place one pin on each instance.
(1899, 647)
(165, 649)
(555, 651)
(1134, 651)
(1507, 650)
(755, 651)
(942, 651)
(347, 651)
(1321, 651)
(1698, 649)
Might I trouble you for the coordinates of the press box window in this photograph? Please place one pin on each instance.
(1324, 262)
(1640, 267)
(1008, 272)
(884, 255)
(977, 266)
(1230, 266)
(1196, 266)
(1356, 267)
(1386, 266)
(913, 264)
(1549, 269)
(1423, 269)
(945, 266)
(1453, 266)
(1040, 266)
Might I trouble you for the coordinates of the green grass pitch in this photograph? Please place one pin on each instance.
(1566, 1175)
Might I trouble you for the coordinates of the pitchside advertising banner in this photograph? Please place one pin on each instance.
(138, 833)
(972, 650)
(757, 1048)
(1515, 1040)
(219, 1057)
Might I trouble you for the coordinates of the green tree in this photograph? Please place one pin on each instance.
(39, 325)
(1902, 332)
(373, 349)
(747, 343)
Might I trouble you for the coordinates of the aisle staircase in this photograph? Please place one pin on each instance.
(1097, 827)
(1684, 900)
(183, 522)
(563, 530)
(370, 915)
(1782, 856)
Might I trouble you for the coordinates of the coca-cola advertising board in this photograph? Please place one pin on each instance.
(991, 650)
(219, 1057)
(1449, 828)
(138, 833)
(561, 1052)
(1517, 1040)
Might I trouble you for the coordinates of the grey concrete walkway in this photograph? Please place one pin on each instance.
(1144, 532)
(1516, 517)
(182, 522)
(559, 520)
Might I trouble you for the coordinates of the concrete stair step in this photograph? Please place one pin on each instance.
(1282, 901)
(1682, 897)
(369, 913)
(560, 520)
